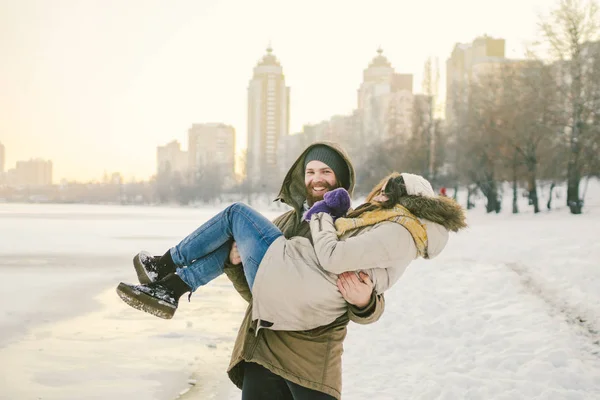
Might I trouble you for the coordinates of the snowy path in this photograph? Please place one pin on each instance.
(475, 332)
(580, 318)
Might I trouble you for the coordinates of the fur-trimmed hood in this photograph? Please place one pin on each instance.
(441, 210)
(293, 190)
(439, 215)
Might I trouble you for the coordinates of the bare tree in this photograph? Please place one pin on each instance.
(418, 158)
(457, 131)
(164, 185)
(566, 31)
(507, 121)
(516, 163)
(431, 79)
(527, 122)
(481, 142)
(379, 159)
(207, 184)
(591, 79)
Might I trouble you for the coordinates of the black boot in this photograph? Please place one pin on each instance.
(151, 268)
(159, 298)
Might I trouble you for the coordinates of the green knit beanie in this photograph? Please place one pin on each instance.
(333, 159)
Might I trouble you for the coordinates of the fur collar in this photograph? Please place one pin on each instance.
(441, 210)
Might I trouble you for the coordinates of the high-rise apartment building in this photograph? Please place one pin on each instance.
(35, 172)
(467, 60)
(385, 101)
(268, 120)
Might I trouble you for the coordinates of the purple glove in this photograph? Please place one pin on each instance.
(338, 200)
(335, 203)
(319, 206)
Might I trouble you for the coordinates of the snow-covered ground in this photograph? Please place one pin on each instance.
(510, 310)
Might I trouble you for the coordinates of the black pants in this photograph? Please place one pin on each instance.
(262, 384)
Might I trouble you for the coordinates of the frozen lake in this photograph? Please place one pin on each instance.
(64, 334)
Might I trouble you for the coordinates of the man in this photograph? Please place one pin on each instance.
(300, 365)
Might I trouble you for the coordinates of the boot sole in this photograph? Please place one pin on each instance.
(141, 272)
(141, 301)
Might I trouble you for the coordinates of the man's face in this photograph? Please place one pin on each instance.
(318, 179)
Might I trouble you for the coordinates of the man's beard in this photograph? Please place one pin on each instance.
(313, 198)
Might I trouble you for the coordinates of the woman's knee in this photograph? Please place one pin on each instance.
(239, 206)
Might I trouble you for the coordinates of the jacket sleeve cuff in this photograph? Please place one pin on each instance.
(368, 309)
(369, 314)
(235, 273)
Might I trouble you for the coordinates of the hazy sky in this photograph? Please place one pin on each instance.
(97, 85)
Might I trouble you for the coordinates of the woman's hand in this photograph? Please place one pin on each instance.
(355, 291)
(335, 203)
(319, 206)
(234, 255)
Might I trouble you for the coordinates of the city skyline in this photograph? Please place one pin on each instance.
(97, 88)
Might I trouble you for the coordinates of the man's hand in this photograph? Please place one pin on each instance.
(355, 291)
(234, 255)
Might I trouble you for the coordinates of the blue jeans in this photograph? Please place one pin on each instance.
(200, 257)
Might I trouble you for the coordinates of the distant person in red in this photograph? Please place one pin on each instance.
(443, 192)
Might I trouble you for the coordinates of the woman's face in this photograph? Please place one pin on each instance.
(381, 196)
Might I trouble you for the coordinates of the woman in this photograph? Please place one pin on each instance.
(293, 281)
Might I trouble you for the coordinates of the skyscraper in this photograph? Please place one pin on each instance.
(385, 100)
(465, 60)
(268, 121)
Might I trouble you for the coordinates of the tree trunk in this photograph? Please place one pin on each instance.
(490, 191)
(574, 169)
(470, 192)
(494, 204)
(573, 201)
(533, 196)
(549, 204)
(515, 206)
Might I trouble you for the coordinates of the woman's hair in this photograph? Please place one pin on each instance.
(394, 189)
